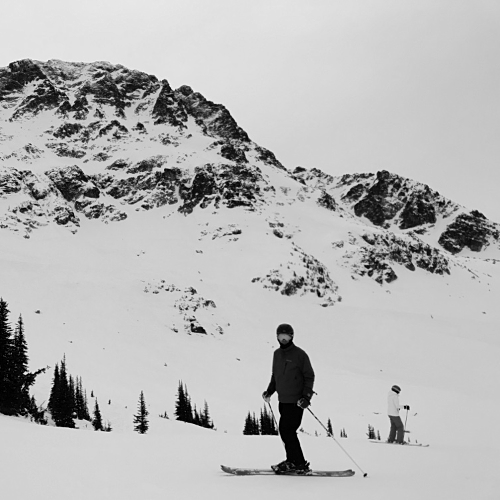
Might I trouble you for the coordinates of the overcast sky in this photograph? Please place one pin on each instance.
(409, 86)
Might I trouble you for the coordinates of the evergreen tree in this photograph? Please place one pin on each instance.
(329, 428)
(141, 424)
(62, 398)
(19, 370)
(67, 401)
(251, 426)
(267, 426)
(81, 406)
(371, 432)
(196, 417)
(6, 346)
(97, 420)
(264, 421)
(183, 408)
(256, 425)
(54, 399)
(206, 421)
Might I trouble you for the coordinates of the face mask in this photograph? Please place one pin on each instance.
(284, 338)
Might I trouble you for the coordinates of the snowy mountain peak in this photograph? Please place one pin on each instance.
(100, 141)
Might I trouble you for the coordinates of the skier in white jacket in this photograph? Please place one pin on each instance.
(397, 432)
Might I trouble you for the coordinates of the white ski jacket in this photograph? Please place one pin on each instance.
(393, 405)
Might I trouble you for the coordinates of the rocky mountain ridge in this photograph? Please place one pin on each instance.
(101, 142)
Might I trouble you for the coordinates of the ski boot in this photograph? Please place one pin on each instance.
(283, 467)
(303, 469)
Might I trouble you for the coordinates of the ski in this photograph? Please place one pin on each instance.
(269, 472)
(406, 444)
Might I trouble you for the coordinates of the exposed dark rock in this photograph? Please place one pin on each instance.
(80, 108)
(417, 212)
(65, 150)
(118, 165)
(17, 75)
(67, 130)
(64, 215)
(147, 165)
(377, 206)
(232, 153)
(37, 189)
(154, 189)
(471, 230)
(387, 249)
(100, 211)
(45, 96)
(10, 181)
(233, 186)
(185, 90)
(268, 157)
(168, 108)
(305, 275)
(214, 119)
(131, 81)
(140, 128)
(327, 201)
(354, 194)
(114, 125)
(73, 183)
(104, 91)
(202, 190)
(197, 328)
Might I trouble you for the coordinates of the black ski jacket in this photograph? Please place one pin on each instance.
(292, 376)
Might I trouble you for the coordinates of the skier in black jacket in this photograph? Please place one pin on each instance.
(293, 379)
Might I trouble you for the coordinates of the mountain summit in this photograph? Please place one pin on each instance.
(98, 141)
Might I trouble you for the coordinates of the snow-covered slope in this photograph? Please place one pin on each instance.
(171, 251)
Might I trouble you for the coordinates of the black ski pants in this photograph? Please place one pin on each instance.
(290, 419)
(397, 431)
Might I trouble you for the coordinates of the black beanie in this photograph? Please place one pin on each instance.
(396, 389)
(284, 328)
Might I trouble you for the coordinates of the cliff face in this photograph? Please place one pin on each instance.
(100, 136)
(100, 141)
(392, 202)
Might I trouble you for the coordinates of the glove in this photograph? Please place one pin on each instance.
(266, 397)
(406, 407)
(303, 403)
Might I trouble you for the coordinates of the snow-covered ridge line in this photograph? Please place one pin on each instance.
(100, 141)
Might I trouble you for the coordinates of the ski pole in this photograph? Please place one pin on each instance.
(341, 447)
(406, 417)
(276, 423)
(274, 418)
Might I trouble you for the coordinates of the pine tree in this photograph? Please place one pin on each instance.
(267, 425)
(97, 420)
(19, 370)
(62, 398)
(329, 428)
(183, 408)
(196, 417)
(251, 426)
(81, 407)
(206, 421)
(141, 424)
(371, 432)
(6, 346)
(54, 399)
(67, 402)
